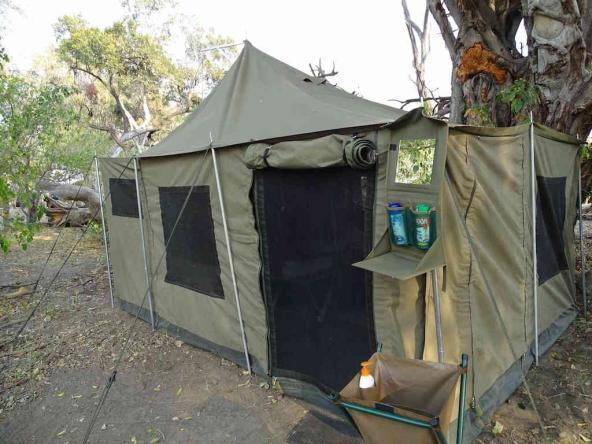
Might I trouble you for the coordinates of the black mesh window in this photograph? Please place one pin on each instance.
(192, 259)
(549, 227)
(124, 200)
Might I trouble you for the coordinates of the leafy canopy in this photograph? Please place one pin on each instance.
(133, 87)
(39, 131)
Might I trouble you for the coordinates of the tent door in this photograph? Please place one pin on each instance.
(313, 225)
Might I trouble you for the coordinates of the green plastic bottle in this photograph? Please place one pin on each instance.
(422, 226)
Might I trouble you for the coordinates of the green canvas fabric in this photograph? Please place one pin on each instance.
(323, 152)
(215, 320)
(406, 262)
(483, 255)
(485, 228)
(398, 305)
(557, 155)
(125, 245)
(260, 99)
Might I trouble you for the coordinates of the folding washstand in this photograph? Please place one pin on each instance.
(412, 403)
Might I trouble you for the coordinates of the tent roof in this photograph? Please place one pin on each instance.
(261, 98)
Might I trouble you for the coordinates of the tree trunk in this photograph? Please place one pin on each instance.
(493, 83)
(62, 208)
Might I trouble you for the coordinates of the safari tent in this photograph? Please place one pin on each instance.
(258, 230)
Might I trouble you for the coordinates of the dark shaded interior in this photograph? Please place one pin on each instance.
(191, 256)
(124, 200)
(550, 220)
(313, 225)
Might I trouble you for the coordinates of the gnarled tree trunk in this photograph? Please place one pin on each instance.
(486, 62)
(62, 208)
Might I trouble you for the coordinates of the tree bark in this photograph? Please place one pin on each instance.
(487, 62)
(61, 204)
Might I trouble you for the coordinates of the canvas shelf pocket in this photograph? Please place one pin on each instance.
(415, 175)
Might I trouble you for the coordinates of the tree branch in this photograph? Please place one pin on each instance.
(441, 18)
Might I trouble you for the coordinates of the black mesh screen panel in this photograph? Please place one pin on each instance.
(124, 200)
(550, 220)
(191, 256)
(313, 225)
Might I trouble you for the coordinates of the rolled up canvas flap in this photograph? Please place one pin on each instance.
(324, 152)
(359, 153)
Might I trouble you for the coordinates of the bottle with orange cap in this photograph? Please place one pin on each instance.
(367, 384)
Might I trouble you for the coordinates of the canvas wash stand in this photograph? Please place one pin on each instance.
(413, 404)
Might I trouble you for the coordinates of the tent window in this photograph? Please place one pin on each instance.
(415, 161)
(124, 200)
(549, 227)
(191, 257)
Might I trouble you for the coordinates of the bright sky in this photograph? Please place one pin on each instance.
(367, 40)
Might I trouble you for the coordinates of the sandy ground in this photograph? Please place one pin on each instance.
(167, 391)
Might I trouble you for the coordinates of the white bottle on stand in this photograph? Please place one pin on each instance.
(367, 384)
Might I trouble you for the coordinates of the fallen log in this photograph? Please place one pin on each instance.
(68, 204)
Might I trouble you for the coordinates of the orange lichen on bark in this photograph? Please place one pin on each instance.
(477, 60)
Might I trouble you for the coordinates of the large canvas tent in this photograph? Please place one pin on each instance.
(264, 235)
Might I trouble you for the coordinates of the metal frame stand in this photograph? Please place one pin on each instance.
(534, 248)
(141, 221)
(437, 315)
(582, 247)
(432, 424)
(104, 227)
(231, 261)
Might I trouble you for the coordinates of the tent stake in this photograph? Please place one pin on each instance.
(437, 314)
(534, 247)
(141, 220)
(582, 248)
(231, 261)
(104, 230)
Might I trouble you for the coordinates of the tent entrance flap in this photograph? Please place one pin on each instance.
(313, 224)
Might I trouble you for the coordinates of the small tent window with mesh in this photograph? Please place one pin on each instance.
(191, 256)
(124, 200)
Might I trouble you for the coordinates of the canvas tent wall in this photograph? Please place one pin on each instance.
(264, 99)
(280, 172)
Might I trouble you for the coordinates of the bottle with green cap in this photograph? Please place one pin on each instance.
(422, 226)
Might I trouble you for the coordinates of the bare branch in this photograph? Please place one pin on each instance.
(421, 51)
(320, 73)
(441, 17)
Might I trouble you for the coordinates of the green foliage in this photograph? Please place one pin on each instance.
(478, 115)
(415, 161)
(521, 96)
(126, 78)
(585, 152)
(40, 131)
(119, 55)
(3, 58)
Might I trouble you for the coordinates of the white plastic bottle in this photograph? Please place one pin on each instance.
(367, 384)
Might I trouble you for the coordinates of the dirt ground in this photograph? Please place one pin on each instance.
(166, 391)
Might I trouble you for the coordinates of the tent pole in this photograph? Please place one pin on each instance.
(437, 314)
(231, 261)
(582, 248)
(141, 220)
(534, 247)
(104, 230)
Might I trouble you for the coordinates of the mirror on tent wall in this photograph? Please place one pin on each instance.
(415, 161)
